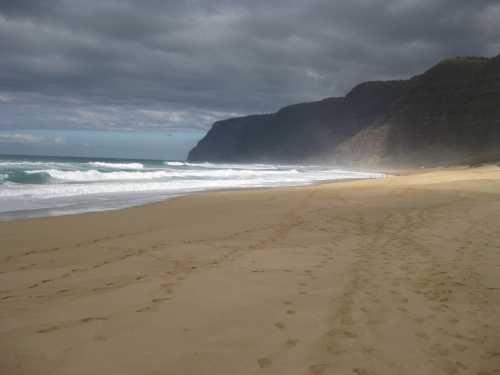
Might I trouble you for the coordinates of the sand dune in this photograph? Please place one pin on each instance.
(396, 276)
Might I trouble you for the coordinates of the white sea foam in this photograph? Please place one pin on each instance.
(95, 175)
(208, 165)
(102, 164)
(101, 185)
(170, 186)
(30, 164)
(19, 163)
(178, 187)
(237, 166)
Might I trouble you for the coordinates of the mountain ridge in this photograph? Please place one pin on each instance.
(446, 115)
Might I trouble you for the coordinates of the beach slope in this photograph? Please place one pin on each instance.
(392, 276)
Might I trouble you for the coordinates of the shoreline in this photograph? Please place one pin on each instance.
(379, 276)
(9, 216)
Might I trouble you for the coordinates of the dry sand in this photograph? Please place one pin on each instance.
(397, 276)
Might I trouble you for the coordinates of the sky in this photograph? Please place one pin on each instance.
(145, 68)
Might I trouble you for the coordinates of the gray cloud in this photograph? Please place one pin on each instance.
(174, 65)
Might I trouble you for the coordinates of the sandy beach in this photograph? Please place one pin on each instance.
(392, 276)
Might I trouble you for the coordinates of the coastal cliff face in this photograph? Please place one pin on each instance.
(450, 114)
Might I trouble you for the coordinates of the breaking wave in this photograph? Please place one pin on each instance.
(95, 175)
(101, 164)
(56, 185)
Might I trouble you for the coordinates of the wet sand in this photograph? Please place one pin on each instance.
(395, 276)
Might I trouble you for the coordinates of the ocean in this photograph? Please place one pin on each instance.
(38, 186)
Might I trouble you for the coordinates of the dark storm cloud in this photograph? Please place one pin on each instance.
(151, 64)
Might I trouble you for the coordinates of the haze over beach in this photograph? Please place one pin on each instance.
(265, 187)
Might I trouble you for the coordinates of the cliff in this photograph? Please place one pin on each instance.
(449, 114)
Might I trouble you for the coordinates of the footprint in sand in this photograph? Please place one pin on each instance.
(368, 349)
(318, 369)
(264, 362)
(48, 329)
(156, 300)
(440, 350)
(345, 333)
(350, 334)
(452, 368)
(280, 325)
(291, 343)
(361, 371)
(93, 319)
(290, 312)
